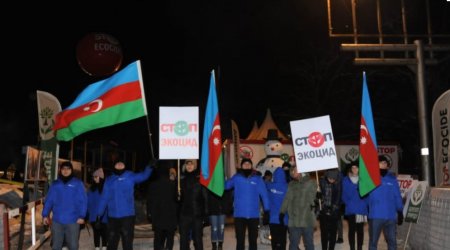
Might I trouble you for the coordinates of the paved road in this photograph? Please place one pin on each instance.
(144, 240)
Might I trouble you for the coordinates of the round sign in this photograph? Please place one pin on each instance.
(99, 54)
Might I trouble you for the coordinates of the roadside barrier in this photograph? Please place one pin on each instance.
(5, 241)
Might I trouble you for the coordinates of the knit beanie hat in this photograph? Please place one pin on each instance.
(246, 160)
(332, 174)
(99, 173)
(66, 164)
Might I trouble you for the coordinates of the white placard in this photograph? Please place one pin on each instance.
(178, 133)
(313, 144)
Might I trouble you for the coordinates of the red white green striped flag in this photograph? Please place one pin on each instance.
(369, 172)
(114, 100)
(212, 172)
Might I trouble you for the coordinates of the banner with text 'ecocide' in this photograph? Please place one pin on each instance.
(178, 133)
(313, 144)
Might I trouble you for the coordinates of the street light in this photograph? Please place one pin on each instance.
(417, 64)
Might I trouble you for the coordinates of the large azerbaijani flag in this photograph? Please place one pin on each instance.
(212, 172)
(369, 172)
(117, 99)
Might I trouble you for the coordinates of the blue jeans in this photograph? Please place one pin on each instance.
(295, 235)
(389, 228)
(69, 232)
(217, 227)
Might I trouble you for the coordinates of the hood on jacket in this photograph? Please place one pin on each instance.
(279, 176)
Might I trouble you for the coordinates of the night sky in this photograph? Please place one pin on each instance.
(267, 55)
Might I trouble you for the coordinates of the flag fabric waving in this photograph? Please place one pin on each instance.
(212, 172)
(114, 100)
(369, 173)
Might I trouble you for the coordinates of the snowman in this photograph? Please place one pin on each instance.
(273, 148)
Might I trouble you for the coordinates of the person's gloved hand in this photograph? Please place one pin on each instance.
(152, 162)
(266, 217)
(399, 218)
(281, 219)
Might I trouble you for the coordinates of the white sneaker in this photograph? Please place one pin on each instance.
(97, 248)
(103, 248)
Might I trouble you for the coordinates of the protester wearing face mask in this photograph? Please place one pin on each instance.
(67, 201)
(118, 199)
(248, 189)
(385, 207)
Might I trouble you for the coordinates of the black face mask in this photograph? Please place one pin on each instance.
(119, 171)
(383, 172)
(247, 172)
(66, 179)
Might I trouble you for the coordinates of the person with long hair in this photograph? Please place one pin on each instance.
(99, 224)
(355, 206)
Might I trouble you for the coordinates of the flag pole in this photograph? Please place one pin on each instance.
(144, 103)
(178, 177)
(318, 189)
(152, 155)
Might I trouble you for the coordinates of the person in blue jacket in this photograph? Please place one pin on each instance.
(118, 199)
(67, 201)
(277, 190)
(385, 208)
(98, 223)
(249, 188)
(355, 206)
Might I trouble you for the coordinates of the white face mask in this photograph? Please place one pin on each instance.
(354, 179)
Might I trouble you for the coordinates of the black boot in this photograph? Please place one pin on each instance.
(214, 246)
(220, 245)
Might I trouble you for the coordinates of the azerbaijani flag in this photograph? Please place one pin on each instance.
(117, 99)
(212, 175)
(369, 172)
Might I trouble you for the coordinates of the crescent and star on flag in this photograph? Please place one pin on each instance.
(90, 106)
(364, 132)
(216, 135)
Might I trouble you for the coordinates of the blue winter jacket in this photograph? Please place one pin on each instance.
(118, 193)
(385, 200)
(354, 203)
(93, 202)
(247, 193)
(277, 190)
(67, 202)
